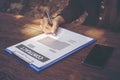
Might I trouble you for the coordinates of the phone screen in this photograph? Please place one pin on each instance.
(98, 56)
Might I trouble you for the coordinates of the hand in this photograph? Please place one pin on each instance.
(48, 28)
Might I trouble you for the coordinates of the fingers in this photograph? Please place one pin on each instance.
(45, 25)
(55, 26)
(48, 28)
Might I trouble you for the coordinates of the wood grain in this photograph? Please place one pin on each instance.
(14, 30)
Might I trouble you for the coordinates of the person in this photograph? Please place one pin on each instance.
(74, 10)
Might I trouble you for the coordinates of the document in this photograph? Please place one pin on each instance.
(44, 50)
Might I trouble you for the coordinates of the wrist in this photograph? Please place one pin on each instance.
(59, 19)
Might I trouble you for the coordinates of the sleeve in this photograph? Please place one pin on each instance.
(118, 7)
(72, 11)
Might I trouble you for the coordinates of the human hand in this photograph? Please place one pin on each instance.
(51, 28)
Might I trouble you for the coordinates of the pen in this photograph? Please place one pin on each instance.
(50, 20)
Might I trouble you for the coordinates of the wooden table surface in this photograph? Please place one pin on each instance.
(14, 29)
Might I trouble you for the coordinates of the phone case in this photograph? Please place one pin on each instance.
(98, 56)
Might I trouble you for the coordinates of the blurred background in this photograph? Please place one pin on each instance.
(32, 8)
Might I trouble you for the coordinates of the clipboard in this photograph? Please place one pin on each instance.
(44, 50)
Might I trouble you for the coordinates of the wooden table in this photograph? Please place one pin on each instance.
(14, 29)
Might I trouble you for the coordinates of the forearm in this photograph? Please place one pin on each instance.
(59, 19)
(72, 11)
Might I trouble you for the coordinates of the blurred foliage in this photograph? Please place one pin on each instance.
(32, 8)
(38, 7)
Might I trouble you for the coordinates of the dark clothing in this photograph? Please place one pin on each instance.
(76, 8)
(118, 7)
(4, 5)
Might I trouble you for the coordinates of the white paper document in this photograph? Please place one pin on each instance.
(47, 48)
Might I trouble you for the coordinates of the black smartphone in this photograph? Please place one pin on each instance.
(98, 56)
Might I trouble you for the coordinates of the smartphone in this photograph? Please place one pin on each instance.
(98, 56)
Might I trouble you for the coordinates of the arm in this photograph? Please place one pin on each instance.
(72, 11)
